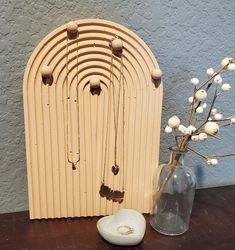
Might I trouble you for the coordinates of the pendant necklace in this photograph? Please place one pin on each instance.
(106, 191)
(68, 100)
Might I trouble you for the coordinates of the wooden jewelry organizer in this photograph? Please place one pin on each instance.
(92, 104)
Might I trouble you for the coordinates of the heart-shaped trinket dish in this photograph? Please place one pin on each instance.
(124, 228)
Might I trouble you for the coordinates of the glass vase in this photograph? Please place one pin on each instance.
(175, 194)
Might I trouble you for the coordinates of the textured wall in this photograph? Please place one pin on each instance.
(186, 36)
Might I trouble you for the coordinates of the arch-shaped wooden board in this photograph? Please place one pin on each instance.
(58, 128)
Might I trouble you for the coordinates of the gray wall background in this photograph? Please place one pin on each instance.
(187, 37)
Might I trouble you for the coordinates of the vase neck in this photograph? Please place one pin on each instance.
(176, 157)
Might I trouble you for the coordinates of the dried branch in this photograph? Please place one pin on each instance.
(192, 110)
(223, 155)
(195, 152)
(209, 113)
(213, 76)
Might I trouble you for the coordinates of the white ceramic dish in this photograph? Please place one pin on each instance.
(125, 228)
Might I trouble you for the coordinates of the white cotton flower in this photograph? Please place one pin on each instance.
(231, 66)
(211, 128)
(232, 120)
(218, 79)
(218, 117)
(195, 137)
(210, 119)
(191, 128)
(183, 129)
(202, 136)
(208, 161)
(225, 62)
(174, 122)
(194, 81)
(214, 161)
(201, 95)
(204, 105)
(210, 72)
(168, 129)
(199, 110)
(226, 87)
(187, 131)
(190, 99)
(214, 111)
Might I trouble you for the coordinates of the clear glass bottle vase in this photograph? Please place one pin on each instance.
(173, 204)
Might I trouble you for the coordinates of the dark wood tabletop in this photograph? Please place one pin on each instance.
(212, 226)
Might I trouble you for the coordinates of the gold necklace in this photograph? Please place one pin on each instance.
(68, 151)
(105, 191)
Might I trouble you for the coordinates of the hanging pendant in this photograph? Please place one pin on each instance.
(104, 190)
(73, 166)
(109, 194)
(117, 196)
(115, 169)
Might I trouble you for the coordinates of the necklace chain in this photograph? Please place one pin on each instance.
(116, 114)
(74, 163)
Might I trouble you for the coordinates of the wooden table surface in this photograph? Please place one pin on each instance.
(212, 226)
